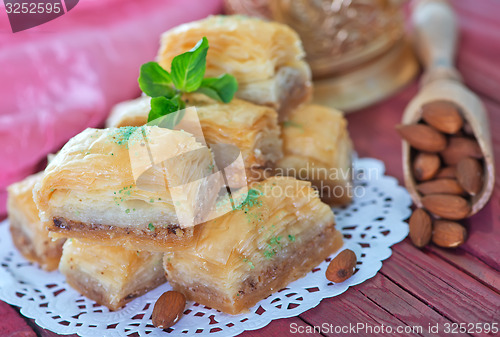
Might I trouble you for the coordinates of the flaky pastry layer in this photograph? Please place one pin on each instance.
(111, 276)
(29, 234)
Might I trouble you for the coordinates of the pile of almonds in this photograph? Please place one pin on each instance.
(448, 168)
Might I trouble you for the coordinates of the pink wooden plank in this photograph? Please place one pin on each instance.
(349, 309)
(404, 306)
(373, 130)
(282, 327)
(482, 10)
(453, 293)
(469, 264)
(479, 45)
(11, 324)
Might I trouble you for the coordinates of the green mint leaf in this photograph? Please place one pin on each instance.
(161, 106)
(155, 81)
(220, 88)
(188, 69)
(166, 113)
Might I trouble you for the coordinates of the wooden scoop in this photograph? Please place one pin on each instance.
(436, 39)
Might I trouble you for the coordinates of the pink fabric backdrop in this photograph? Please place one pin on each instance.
(63, 76)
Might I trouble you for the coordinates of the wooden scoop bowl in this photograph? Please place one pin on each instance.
(435, 39)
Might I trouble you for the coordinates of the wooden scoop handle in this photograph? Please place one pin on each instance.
(436, 36)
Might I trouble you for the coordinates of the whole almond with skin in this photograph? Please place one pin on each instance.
(423, 137)
(448, 234)
(470, 175)
(168, 309)
(447, 206)
(446, 172)
(459, 148)
(425, 166)
(441, 186)
(443, 116)
(341, 267)
(420, 228)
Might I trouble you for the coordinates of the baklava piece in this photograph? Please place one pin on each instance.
(143, 188)
(317, 148)
(266, 58)
(278, 234)
(252, 128)
(111, 276)
(29, 234)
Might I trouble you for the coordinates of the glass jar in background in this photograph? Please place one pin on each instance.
(338, 35)
(357, 49)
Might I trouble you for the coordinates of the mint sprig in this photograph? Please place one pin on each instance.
(187, 75)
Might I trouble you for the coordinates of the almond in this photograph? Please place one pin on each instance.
(443, 116)
(446, 172)
(420, 228)
(447, 206)
(441, 186)
(423, 137)
(168, 309)
(425, 166)
(448, 234)
(341, 267)
(459, 148)
(470, 175)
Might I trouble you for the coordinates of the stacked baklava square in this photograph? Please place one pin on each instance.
(277, 235)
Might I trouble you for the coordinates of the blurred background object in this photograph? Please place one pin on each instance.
(357, 49)
(64, 76)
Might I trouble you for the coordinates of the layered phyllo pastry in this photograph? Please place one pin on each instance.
(280, 232)
(138, 187)
(29, 234)
(110, 276)
(317, 148)
(266, 58)
(251, 128)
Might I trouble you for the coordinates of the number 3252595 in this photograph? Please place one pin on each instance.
(33, 8)
(471, 328)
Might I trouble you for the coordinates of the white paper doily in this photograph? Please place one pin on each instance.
(370, 225)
